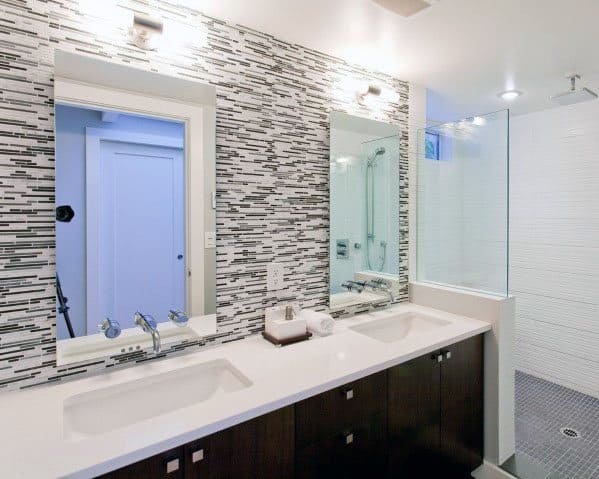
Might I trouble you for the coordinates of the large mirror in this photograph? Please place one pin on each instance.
(135, 221)
(364, 211)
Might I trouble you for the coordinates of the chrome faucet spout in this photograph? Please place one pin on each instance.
(156, 340)
(148, 325)
(379, 284)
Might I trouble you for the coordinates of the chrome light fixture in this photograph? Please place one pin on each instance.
(370, 91)
(145, 31)
(373, 90)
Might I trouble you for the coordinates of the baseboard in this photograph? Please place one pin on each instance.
(491, 471)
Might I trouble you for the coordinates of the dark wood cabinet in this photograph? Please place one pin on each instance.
(423, 418)
(462, 407)
(341, 433)
(414, 426)
(166, 465)
(262, 448)
(436, 413)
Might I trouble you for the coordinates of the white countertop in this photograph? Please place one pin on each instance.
(34, 446)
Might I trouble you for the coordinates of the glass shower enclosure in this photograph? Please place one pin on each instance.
(462, 198)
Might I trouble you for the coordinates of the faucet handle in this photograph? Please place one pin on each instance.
(378, 283)
(145, 320)
(110, 327)
(359, 285)
(178, 317)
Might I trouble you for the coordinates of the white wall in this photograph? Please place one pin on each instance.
(554, 217)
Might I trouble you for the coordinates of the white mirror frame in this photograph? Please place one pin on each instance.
(89, 82)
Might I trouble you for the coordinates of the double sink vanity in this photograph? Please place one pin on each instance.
(394, 392)
(388, 391)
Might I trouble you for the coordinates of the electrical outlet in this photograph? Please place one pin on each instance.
(274, 276)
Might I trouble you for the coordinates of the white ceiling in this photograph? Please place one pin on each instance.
(467, 51)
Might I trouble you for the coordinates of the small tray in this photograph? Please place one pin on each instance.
(285, 342)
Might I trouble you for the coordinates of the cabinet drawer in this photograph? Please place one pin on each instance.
(166, 465)
(355, 404)
(262, 448)
(357, 452)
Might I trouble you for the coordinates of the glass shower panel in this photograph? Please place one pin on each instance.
(462, 203)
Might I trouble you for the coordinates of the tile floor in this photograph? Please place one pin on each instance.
(542, 408)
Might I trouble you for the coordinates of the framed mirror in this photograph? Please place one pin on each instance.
(135, 210)
(364, 248)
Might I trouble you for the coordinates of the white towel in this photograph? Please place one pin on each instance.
(318, 322)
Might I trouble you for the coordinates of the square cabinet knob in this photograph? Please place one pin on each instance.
(172, 466)
(349, 438)
(349, 394)
(197, 456)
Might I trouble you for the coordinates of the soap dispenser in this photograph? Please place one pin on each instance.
(283, 324)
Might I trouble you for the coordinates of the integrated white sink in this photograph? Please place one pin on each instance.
(106, 409)
(402, 326)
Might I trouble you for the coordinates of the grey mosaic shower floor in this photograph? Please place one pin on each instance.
(542, 408)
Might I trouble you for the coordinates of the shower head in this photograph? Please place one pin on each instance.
(573, 95)
(379, 151)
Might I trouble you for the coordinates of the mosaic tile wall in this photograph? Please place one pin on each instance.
(273, 103)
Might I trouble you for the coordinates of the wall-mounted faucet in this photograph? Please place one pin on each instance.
(178, 317)
(357, 285)
(379, 284)
(148, 325)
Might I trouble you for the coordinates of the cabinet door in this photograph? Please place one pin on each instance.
(275, 451)
(332, 412)
(167, 465)
(358, 453)
(414, 430)
(462, 407)
(261, 448)
(342, 433)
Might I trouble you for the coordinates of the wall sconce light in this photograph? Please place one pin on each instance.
(109, 18)
(145, 32)
(367, 91)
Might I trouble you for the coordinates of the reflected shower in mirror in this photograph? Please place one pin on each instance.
(364, 210)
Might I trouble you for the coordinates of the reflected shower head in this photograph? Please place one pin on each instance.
(379, 151)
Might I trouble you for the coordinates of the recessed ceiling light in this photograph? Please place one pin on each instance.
(510, 95)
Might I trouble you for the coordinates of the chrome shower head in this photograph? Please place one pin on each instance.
(574, 95)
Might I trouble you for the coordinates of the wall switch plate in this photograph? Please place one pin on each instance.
(210, 239)
(274, 276)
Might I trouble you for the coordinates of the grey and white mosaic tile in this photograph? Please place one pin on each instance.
(273, 102)
(542, 409)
